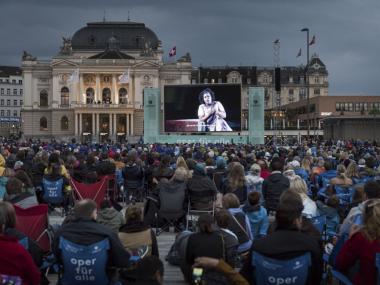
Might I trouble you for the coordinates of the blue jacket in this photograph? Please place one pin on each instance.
(258, 219)
(242, 235)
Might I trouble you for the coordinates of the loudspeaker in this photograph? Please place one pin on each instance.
(277, 79)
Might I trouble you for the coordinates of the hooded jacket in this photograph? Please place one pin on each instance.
(273, 187)
(332, 217)
(258, 219)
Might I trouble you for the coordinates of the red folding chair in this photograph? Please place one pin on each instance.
(34, 223)
(95, 191)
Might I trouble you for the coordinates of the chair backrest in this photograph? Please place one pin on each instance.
(319, 223)
(33, 222)
(8, 279)
(378, 267)
(84, 264)
(272, 271)
(95, 191)
(172, 197)
(138, 253)
(53, 191)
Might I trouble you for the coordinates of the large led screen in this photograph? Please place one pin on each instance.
(202, 108)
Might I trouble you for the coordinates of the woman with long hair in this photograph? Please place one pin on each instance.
(299, 186)
(341, 179)
(236, 182)
(363, 245)
(181, 162)
(352, 170)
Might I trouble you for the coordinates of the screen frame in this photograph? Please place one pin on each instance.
(199, 132)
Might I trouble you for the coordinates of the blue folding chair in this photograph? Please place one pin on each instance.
(270, 271)
(320, 224)
(84, 264)
(342, 279)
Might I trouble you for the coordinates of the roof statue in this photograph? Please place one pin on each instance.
(27, 56)
(66, 49)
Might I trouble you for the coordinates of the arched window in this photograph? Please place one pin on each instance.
(90, 96)
(106, 96)
(65, 95)
(44, 98)
(43, 124)
(64, 123)
(123, 96)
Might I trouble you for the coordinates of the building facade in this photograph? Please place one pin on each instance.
(11, 100)
(293, 83)
(93, 89)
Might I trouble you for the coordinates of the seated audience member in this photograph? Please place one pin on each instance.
(369, 168)
(257, 215)
(235, 182)
(220, 172)
(362, 246)
(135, 234)
(210, 167)
(109, 216)
(182, 163)
(253, 179)
(330, 210)
(354, 217)
(105, 166)
(274, 185)
(328, 174)
(341, 179)
(53, 160)
(287, 241)
(201, 189)
(298, 185)
(84, 230)
(133, 173)
(239, 224)
(17, 196)
(15, 261)
(163, 170)
(231, 242)
(27, 182)
(207, 242)
(10, 223)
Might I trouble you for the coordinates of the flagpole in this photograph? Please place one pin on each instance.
(307, 83)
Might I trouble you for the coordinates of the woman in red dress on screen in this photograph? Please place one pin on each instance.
(211, 113)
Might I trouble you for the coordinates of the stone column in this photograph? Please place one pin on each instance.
(76, 123)
(283, 124)
(298, 124)
(127, 124)
(131, 124)
(82, 98)
(93, 123)
(115, 98)
(97, 88)
(97, 128)
(110, 131)
(114, 124)
(80, 124)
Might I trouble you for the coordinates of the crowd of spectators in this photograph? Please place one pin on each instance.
(248, 199)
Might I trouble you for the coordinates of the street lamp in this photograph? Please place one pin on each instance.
(307, 82)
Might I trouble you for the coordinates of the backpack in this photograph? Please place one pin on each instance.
(177, 251)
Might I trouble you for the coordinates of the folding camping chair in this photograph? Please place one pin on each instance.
(95, 191)
(33, 222)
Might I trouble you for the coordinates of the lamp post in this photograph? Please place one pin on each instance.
(307, 83)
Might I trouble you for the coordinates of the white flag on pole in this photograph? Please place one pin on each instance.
(74, 77)
(124, 78)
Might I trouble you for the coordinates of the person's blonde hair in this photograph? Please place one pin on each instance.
(341, 171)
(305, 164)
(352, 170)
(236, 176)
(181, 163)
(298, 185)
(371, 219)
(181, 174)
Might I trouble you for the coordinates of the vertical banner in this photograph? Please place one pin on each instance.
(256, 115)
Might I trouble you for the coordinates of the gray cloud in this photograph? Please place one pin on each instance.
(216, 32)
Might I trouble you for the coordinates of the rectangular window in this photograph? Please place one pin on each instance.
(317, 91)
(290, 79)
(20, 91)
(20, 82)
(21, 102)
(8, 102)
(291, 92)
(2, 102)
(8, 91)
(350, 107)
(248, 80)
(14, 91)
(205, 80)
(14, 81)
(365, 106)
(2, 113)
(193, 81)
(2, 91)
(316, 80)
(220, 80)
(14, 102)
(357, 107)
(15, 113)
(337, 107)
(8, 113)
